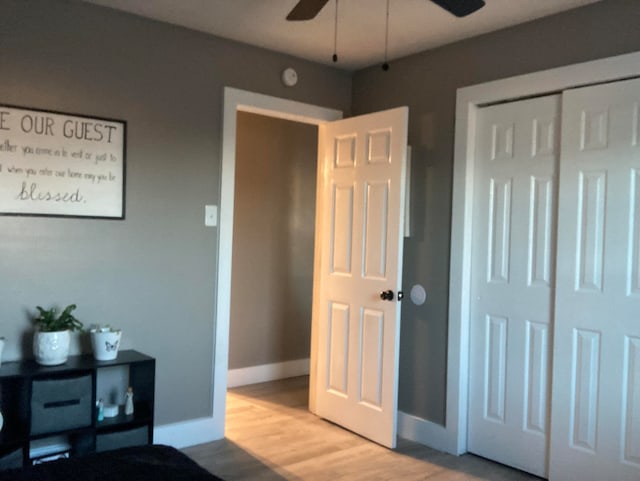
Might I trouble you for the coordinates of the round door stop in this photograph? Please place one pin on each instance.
(418, 295)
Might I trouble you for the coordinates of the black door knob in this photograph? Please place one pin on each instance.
(386, 295)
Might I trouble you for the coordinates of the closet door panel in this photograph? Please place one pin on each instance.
(595, 425)
(512, 281)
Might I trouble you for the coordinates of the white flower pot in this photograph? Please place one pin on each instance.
(105, 344)
(51, 348)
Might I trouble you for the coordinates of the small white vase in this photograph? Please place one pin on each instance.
(105, 344)
(51, 348)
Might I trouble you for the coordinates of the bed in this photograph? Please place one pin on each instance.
(139, 463)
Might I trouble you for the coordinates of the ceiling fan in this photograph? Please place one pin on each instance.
(308, 9)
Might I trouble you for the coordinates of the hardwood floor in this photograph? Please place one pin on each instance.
(271, 436)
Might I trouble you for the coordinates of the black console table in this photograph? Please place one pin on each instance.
(43, 404)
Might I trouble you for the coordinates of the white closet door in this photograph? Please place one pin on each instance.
(512, 282)
(595, 429)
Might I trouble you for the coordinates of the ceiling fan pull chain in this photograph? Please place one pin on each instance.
(385, 65)
(335, 35)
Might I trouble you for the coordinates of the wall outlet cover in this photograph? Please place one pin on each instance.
(211, 215)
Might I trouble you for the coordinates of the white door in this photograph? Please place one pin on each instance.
(512, 281)
(595, 429)
(362, 187)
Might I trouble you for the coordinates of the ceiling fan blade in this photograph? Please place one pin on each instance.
(306, 9)
(460, 8)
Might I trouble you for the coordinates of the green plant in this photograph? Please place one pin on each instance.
(49, 321)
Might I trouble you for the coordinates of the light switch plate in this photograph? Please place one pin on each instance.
(211, 215)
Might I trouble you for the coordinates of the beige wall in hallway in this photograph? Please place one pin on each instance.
(273, 233)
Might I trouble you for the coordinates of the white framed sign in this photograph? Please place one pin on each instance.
(58, 164)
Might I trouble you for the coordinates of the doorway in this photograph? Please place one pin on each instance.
(236, 100)
(360, 196)
(272, 268)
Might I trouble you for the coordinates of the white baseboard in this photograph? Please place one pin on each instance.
(267, 372)
(425, 432)
(187, 433)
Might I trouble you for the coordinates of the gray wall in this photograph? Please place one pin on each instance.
(152, 274)
(427, 83)
(273, 234)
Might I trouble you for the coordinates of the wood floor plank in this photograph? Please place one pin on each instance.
(271, 436)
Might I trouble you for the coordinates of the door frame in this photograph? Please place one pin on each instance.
(468, 101)
(236, 100)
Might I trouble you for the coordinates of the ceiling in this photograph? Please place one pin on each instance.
(414, 25)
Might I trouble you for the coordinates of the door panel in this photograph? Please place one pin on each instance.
(372, 329)
(341, 229)
(634, 234)
(360, 254)
(376, 206)
(339, 341)
(536, 377)
(596, 387)
(512, 281)
(541, 228)
(631, 400)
